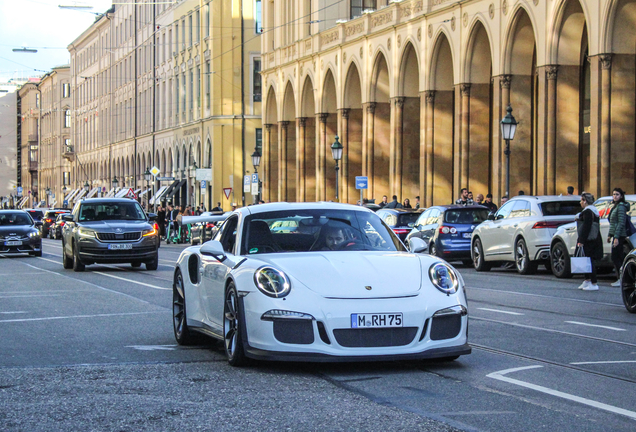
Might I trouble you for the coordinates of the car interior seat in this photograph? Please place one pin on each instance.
(260, 239)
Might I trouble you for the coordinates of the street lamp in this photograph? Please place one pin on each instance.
(86, 186)
(336, 152)
(115, 182)
(508, 129)
(256, 161)
(148, 177)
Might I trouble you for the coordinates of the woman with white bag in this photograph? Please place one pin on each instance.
(589, 238)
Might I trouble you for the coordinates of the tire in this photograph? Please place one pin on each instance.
(153, 264)
(628, 285)
(522, 259)
(135, 264)
(432, 250)
(477, 253)
(78, 265)
(560, 261)
(182, 332)
(66, 261)
(37, 253)
(232, 338)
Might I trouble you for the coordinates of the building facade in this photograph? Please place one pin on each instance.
(27, 138)
(169, 86)
(55, 136)
(416, 91)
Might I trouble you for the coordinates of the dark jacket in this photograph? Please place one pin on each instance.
(491, 206)
(617, 220)
(393, 204)
(588, 221)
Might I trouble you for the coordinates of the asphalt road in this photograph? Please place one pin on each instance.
(96, 351)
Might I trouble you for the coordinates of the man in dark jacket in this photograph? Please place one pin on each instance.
(393, 204)
(492, 207)
(589, 238)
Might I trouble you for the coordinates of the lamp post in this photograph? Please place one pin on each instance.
(336, 152)
(256, 161)
(86, 186)
(115, 182)
(508, 129)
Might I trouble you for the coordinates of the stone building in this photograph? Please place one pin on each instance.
(170, 86)
(27, 136)
(55, 136)
(416, 90)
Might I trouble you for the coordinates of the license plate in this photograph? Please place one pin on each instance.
(119, 246)
(371, 320)
(13, 243)
(468, 235)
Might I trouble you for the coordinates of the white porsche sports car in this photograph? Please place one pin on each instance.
(339, 286)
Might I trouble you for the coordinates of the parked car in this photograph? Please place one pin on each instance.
(563, 244)
(401, 221)
(628, 281)
(49, 219)
(521, 231)
(205, 226)
(19, 233)
(336, 303)
(55, 230)
(447, 230)
(109, 230)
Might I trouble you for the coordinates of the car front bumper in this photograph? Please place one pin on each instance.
(27, 246)
(93, 250)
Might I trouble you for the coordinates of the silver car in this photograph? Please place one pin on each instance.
(109, 230)
(563, 243)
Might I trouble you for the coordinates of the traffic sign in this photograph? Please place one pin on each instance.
(362, 182)
(246, 184)
(131, 194)
(165, 178)
(227, 192)
(155, 171)
(255, 184)
(19, 190)
(204, 184)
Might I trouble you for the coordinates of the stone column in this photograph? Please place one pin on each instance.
(606, 70)
(344, 139)
(395, 174)
(551, 74)
(300, 158)
(504, 84)
(321, 156)
(282, 160)
(368, 153)
(430, 110)
(266, 164)
(464, 137)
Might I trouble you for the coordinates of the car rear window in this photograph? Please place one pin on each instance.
(465, 216)
(406, 219)
(36, 214)
(560, 208)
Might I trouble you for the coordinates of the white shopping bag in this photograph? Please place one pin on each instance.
(580, 263)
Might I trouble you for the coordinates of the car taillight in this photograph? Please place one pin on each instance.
(549, 224)
(48, 220)
(446, 230)
(400, 231)
(61, 224)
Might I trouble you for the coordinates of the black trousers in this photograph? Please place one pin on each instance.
(618, 255)
(587, 249)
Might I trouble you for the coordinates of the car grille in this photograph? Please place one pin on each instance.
(294, 331)
(117, 252)
(113, 237)
(376, 337)
(446, 327)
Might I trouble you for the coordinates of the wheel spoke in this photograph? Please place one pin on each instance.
(630, 271)
(631, 299)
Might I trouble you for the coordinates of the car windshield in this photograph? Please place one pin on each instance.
(407, 219)
(466, 216)
(560, 208)
(111, 211)
(15, 219)
(317, 230)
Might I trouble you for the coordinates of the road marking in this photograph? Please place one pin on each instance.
(115, 277)
(604, 362)
(10, 313)
(594, 325)
(499, 375)
(79, 316)
(619, 305)
(153, 347)
(500, 311)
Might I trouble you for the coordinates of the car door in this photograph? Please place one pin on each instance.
(215, 273)
(492, 236)
(419, 225)
(517, 219)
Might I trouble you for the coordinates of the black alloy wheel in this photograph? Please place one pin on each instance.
(628, 285)
(560, 261)
(522, 258)
(182, 332)
(78, 265)
(478, 256)
(67, 262)
(232, 338)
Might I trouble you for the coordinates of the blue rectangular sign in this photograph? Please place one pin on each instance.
(362, 182)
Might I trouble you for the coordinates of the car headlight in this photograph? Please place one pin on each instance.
(83, 232)
(149, 232)
(34, 234)
(272, 282)
(444, 278)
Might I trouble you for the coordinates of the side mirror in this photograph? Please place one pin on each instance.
(38, 224)
(67, 218)
(417, 245)
(491, 216)
(213, 248)
(152, 216)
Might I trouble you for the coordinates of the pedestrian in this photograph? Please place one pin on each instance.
(417, 202)
(470, 197)
(218, 207)
(521, 193)
(393, 204)
(504, 199)
(492, 207)
(161, 221)
(406, 204)
(463, 198)
(480, 199)
(385, 201)
(202, 208)
(234, 206)
(570, 190)
(260, 202)
(589, 238)
(617, 230)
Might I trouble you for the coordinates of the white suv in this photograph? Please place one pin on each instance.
(564, 241)
(521, 231)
